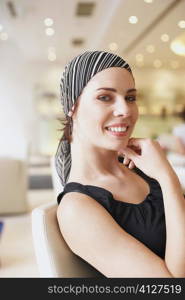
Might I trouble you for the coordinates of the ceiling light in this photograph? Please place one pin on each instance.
(178, 45)
(3, 36)
(49, 31)
(157, 63)
(178, 48)
(133, 19)
(1, 27)
(165, 37)
(52, 56)
(181, 24)
(113, 46)
(139, 57)
(174, 64)
(48, 22)
(148, 1)
(150, 48)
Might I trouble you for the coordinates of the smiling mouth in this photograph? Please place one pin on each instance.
(117, 131)
(122, 129)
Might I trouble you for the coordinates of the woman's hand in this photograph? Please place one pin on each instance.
(126, 161)
(148, 156)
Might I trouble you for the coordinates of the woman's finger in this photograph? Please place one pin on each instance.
(131, 165)
(129, 153)
(126, 160)
(136, 142)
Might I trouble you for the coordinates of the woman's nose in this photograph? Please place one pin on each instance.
(121, 108)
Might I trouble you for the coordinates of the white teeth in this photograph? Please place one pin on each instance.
(117, 129)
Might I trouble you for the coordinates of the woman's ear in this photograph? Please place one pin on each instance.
(73, 107)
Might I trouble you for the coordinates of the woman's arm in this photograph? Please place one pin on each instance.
(179, 146)
(153, 162)
(92, 233)
(174, 203)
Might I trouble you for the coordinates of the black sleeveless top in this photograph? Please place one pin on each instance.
(145, 221)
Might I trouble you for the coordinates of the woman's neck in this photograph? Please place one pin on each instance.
(92, 163)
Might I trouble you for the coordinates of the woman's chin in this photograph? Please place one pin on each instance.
(117, 148)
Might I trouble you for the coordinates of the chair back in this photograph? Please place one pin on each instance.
(54, 257)
(13, 186)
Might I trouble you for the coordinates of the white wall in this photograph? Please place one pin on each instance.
(16, 111)
(19, 117)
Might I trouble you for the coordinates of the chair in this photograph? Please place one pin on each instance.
(54, 257)
(13, 186)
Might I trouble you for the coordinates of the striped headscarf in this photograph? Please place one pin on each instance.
(76, 75)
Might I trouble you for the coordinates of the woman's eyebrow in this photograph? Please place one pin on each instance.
(114, 90)
(131, 90)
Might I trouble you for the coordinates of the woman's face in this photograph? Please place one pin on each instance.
(106, 111)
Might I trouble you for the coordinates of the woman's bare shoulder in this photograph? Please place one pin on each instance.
(77, 205)
(93, 234)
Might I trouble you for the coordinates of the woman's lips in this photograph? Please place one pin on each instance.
(118, 133)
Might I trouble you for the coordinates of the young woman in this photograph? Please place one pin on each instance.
(125, 219)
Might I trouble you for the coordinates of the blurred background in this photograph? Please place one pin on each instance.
(37, 39)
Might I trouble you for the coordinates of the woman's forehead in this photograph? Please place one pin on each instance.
(111, 77)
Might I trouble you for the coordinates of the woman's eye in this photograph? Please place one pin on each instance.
(104, 98)
(130, 98)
